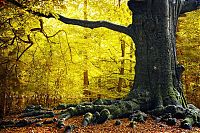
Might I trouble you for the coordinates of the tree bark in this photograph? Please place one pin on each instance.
(156, 80)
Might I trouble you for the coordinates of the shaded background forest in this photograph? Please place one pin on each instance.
(43, 61)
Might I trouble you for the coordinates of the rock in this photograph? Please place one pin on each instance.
(171, 121)
(118, 122)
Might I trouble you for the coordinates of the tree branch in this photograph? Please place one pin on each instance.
(83, 23)
(96, 24)
(189, 5)
(29, 41)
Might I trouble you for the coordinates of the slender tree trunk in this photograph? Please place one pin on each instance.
(2, 98)
(120, 82)
(156, 82)
(2, 105)
(85, 73)
(131, 62)
(86, 80)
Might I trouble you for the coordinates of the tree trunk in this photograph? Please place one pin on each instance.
(2, 98)
(85, 73)
(2, 105)
(120, 82)
(156, 80)
(131, 62)
(86, 80)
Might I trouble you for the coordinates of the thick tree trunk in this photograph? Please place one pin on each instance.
(156, 80)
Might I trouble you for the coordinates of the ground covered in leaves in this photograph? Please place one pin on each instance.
(149, 126)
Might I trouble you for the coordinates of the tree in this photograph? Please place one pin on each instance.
(157, 82)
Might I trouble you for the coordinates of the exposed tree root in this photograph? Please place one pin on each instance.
(101, 110)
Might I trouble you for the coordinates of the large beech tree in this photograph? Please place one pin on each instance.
(157, 81)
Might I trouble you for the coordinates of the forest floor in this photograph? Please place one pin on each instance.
(150, 126)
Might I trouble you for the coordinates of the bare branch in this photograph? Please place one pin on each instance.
(95, 24)
(83, 23)
(29, 41)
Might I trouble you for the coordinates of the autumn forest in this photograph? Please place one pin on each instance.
(46, 62)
